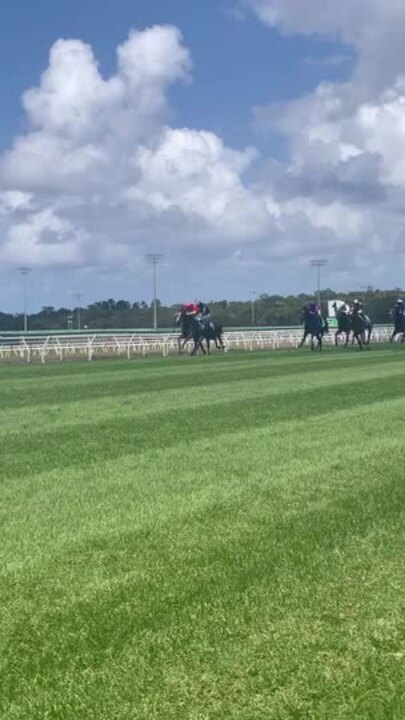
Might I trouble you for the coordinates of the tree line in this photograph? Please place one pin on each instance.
(266, 310)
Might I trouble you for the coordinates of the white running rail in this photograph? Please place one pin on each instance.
(90, 346)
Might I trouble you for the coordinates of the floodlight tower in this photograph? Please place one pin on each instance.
(78, 297)
(154, 259)
(318, 264)
(253, 294)
(24, 272)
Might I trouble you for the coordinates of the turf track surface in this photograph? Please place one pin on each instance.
(204, 539)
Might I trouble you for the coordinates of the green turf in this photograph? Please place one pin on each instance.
(204, 539)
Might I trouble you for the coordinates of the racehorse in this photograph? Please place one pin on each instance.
(356, 323)
(344, 327)
(399, 328)
(315, 326)
(198, 330)
(362, 328)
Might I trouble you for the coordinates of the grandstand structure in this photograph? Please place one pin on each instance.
(42, 347)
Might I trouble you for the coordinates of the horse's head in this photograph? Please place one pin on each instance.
(183, 320)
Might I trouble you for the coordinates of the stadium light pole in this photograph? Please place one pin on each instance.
(154, 259)
(24, 272)
(78, 297)
(318, 264)
(253, 294)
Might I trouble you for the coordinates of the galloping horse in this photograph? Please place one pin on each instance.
(315, 326)
(344, 326)
(357, 323)
(362, 328)
(399, 327)
(198, 330)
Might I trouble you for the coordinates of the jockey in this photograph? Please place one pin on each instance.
(191, 309)
(203, 309)
(313, 309)
(398, 311)
(358, 309)
(340, 310)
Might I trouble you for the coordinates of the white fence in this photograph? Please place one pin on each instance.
(61, 347)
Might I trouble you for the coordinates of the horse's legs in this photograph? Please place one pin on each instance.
(337, 336)
(185, 340)
(357, 336)
(208, 346)
(197, 344)
(217, 341)
(394, 334)
(303, 340)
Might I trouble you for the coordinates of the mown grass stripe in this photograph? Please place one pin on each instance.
(197, 372)
(42, 417)
(173, 474)
(253, 562)
(33, 452)
(240, 560)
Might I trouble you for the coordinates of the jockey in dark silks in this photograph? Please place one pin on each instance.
(195, 325)
(203, 313)
(203, 309)
(344, 321)
(199, 310)
(314, 325)
(310, 313)
(358, 309)
(341, 311)
(398, 314)
(362, 325)
(314, 314)
(398, 311)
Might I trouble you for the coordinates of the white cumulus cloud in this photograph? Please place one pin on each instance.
(345, 171)
(102, 174)
(100, 169)
(373, 27)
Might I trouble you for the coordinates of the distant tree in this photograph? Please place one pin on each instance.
(121, 305)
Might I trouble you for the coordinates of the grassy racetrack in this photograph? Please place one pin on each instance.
(204, 539)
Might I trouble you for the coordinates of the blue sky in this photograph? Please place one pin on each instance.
(254, 83)
(238, 63)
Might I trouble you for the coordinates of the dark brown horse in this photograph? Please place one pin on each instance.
(197, 330)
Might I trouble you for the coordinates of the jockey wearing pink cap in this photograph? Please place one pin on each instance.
(191, 309)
